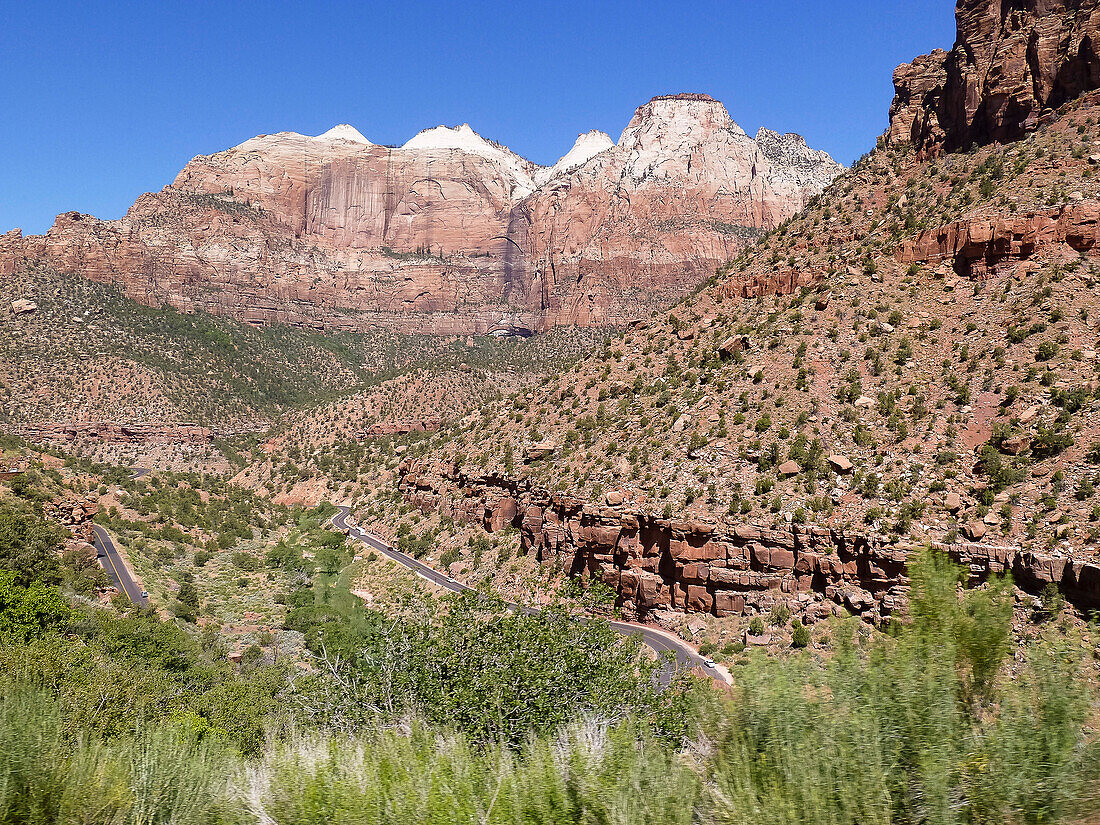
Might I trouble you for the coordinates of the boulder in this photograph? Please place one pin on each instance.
(789, 468)
(1016, 444)
(975, 530)
(537, 452)
(732, 345)
(841, 464)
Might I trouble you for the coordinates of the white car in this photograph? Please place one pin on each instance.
(709, 663)
(145, 594)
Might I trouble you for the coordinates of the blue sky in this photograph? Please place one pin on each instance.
(104, 101)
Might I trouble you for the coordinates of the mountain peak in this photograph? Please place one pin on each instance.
(346, 132)
(462, 138)
(585, 147)
(672, 119)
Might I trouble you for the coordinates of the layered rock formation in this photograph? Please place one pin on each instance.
(979, 247)
(1012, 61)
(450, 233)
(679, 194)
(114, 433)
(723, 567)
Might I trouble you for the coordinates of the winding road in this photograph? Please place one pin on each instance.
(684, 658)
(111, 561)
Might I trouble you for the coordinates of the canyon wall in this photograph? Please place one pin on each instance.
(1013, 61)
(450, 233)
(725, 567)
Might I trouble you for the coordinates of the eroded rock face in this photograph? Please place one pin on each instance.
(980, 248)
(450, 233)
(722, 568)
(115, 433)
(1012, 61)
(681, 193)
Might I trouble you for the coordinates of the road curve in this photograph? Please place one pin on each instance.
(685, 657)
(111, 561)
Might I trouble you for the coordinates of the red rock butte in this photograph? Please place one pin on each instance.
(450, 233)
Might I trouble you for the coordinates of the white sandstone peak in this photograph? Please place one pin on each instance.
(346, 132)
(669, 120)
(586, 147)
(451, 137)
(464, 139)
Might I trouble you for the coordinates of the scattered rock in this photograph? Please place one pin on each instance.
(789, 468)
(1015, 445)
(975, 530)
(537, 452)
(841, 464)
(732, 345)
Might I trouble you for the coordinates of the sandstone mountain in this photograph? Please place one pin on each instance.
(450, 233)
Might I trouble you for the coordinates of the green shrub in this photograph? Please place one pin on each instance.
(800, 636)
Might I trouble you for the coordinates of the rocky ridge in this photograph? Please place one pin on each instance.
(450, 233)
(723, 567)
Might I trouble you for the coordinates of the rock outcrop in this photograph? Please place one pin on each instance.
(450, 233)
(115, 433)
(1013, 60)
(981, 247)
(721, 568)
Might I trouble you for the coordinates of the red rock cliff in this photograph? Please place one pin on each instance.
(1012, 61)
(450, 233)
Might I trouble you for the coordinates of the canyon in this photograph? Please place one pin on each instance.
(648, 468)
(450, 233)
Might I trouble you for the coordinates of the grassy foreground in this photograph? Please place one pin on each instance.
(933, 722)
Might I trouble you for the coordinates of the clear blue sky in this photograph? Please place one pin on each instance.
(103, 101)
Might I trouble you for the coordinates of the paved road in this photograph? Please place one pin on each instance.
(110, 560)
(685, 657)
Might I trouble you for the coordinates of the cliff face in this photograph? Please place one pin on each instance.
(679, 194)
(1012, 61)
(450, 233)
(721, 567)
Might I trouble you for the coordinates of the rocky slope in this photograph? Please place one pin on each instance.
(450, 233)
(911, 360)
